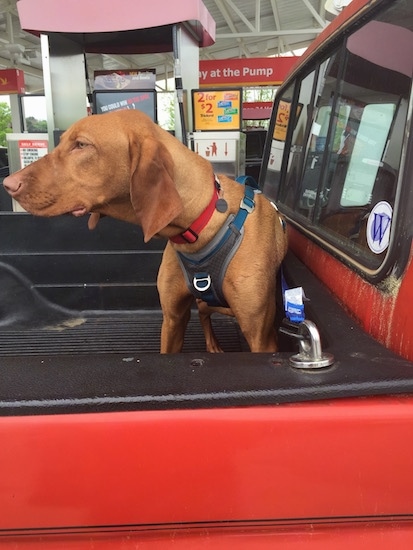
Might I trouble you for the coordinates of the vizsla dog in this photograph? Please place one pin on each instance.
(123, 165)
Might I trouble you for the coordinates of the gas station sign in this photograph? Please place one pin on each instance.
(11, 81)
(253, 71)
(31, 150)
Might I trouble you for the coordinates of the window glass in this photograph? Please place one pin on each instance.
(280, 119)
(34, 113)
(343, 163)
(366, 123)
(303, 112)
(305, 200)
(368, 146)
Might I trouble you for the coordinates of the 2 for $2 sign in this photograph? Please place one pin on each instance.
(217, 109)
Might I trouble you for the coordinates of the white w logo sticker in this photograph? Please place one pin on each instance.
(378, 227)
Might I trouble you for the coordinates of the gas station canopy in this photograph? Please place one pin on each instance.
(101, 28)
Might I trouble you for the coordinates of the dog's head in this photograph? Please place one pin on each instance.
(112, 164)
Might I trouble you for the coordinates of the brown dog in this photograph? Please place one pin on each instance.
(123, 165)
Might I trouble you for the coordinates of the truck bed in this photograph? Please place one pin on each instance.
(60, 359)
(99, 333)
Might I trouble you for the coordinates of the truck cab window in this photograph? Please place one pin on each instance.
(303, 112)
(343, 157)
(280, 121)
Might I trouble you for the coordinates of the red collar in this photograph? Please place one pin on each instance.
(190, 235)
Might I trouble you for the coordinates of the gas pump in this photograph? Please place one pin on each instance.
(67, 35)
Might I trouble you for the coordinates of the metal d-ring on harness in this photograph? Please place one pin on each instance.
(205, 270)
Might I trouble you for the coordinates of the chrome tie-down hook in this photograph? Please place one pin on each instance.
(310, 355)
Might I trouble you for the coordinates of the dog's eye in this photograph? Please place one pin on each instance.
(81, 144)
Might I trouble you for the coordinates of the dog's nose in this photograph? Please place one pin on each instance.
(12, 184)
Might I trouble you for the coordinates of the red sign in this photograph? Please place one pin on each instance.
(256, 110)
(12, 81)
(264, 71)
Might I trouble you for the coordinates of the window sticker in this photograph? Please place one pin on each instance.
(378, 227)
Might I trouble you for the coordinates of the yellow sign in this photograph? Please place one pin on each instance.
(217, 109)
(283, 117)
(281, 122)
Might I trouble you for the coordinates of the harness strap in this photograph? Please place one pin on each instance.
(246, 207)
(205, 270)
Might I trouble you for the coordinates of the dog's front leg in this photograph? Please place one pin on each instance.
(255, 313)
(258, 329)
(176, 301)
(173, 330)
(211, 342)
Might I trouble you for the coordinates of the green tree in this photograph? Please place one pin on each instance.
(36, 126)
(5, 122)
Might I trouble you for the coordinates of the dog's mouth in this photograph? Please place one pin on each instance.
(79, 211)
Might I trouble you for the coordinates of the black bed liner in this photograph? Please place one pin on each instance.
(76, 362)
(98, 333)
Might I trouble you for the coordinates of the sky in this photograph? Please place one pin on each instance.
(34, 106)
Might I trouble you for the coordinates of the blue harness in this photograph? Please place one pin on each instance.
(204, 270)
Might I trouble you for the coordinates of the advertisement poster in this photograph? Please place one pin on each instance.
(108, 101)
(283, 117)
(281, 123)
(217, 109)
(125, 79)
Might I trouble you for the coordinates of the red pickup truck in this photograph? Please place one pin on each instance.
(107, 444)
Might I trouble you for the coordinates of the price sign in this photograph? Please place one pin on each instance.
(281, 122)
(217, 109)
(283, 117)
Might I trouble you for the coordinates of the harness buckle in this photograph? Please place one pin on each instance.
(247, 204)
(202, 282)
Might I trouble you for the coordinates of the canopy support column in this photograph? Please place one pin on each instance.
(64, 82)
(186, 70)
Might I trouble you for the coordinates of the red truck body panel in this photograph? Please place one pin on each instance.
(266, 472)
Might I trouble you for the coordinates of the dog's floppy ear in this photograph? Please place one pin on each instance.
(153, 193)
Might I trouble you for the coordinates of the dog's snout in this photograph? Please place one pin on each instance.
(12, 183)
